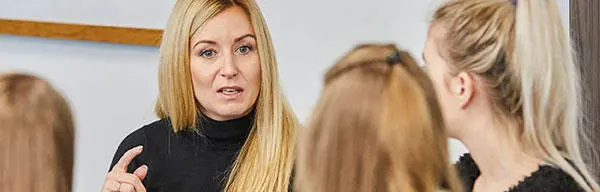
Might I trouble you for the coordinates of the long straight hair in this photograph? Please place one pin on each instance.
(36, 136)
(377, 127)
(525, 56)
(265, 161)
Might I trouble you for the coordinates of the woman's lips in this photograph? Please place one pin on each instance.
(230, 92)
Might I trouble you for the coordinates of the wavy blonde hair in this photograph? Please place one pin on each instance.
(36, 136)
(376, 127)
(265, 161)
(525, 58)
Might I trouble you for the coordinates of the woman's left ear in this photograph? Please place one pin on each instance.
(465, 88)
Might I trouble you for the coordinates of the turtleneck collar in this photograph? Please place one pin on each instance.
(234, 129)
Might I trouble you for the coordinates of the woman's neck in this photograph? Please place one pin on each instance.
(501, 160)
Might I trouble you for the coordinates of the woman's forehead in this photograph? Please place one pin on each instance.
(233, 22)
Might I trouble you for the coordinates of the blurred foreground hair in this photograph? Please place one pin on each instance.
(36, 136)
(376, 127)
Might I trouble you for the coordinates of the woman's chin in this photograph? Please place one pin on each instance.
(231, 113)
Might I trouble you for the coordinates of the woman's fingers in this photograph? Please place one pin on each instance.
(141, 172)
(127, 158)
(127, 188)
(127, 178)
(118, 180)
(110, 186)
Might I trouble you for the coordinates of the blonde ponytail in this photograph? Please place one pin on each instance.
(551, 89)
(523, 54)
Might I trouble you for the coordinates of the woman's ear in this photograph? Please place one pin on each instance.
(462, 88)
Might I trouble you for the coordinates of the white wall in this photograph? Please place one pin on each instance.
(131, 13)
(112, 87)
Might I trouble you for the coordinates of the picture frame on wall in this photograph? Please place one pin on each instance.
(84, 32)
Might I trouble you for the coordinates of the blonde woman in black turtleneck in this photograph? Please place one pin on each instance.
(225, 124)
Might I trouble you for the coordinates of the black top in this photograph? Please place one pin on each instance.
(546, 178)
(188, 160)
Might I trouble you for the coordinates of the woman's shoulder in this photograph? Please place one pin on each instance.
(150, 136)
(157, 130)
(548, 178)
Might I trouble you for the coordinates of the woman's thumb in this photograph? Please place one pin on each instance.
(141, 172)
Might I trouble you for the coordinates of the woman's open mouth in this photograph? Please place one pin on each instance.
(230, 91)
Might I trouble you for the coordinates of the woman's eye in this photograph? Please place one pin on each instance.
(244, 49)
(207, 53)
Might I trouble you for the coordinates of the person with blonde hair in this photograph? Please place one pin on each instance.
(376, 127)
(37, 136)
(510, 91)
(226, 125)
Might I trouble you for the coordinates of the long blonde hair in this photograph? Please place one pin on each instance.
(376, 127)
(36, 136)
(524, 55)
(265, 161)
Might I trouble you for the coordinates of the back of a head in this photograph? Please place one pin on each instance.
(376, 127)
(36, 136)
(521, 51)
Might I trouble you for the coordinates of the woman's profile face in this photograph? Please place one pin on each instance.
(439, 73)
(225, 65)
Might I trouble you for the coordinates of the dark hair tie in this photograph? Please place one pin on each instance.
(514, 2)
(394, 58)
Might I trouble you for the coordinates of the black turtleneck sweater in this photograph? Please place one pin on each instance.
(190, 160)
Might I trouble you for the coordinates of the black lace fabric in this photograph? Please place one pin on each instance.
(545, 179)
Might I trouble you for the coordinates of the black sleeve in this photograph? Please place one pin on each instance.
(134, 139)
